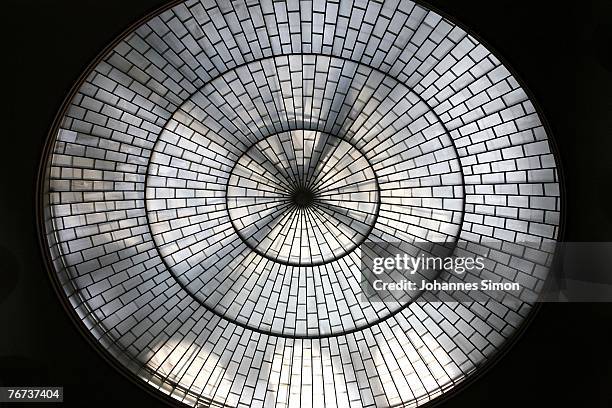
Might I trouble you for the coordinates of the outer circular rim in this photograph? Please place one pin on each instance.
(160, 396)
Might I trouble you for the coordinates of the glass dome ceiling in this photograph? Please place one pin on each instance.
(210, 182)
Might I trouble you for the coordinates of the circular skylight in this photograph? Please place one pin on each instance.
(210, 185)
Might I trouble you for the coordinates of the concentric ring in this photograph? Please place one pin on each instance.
(223, 261)
(303, 198)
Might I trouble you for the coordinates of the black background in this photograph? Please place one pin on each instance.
(562, 51)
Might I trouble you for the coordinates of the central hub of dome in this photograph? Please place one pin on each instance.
(302, 197)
